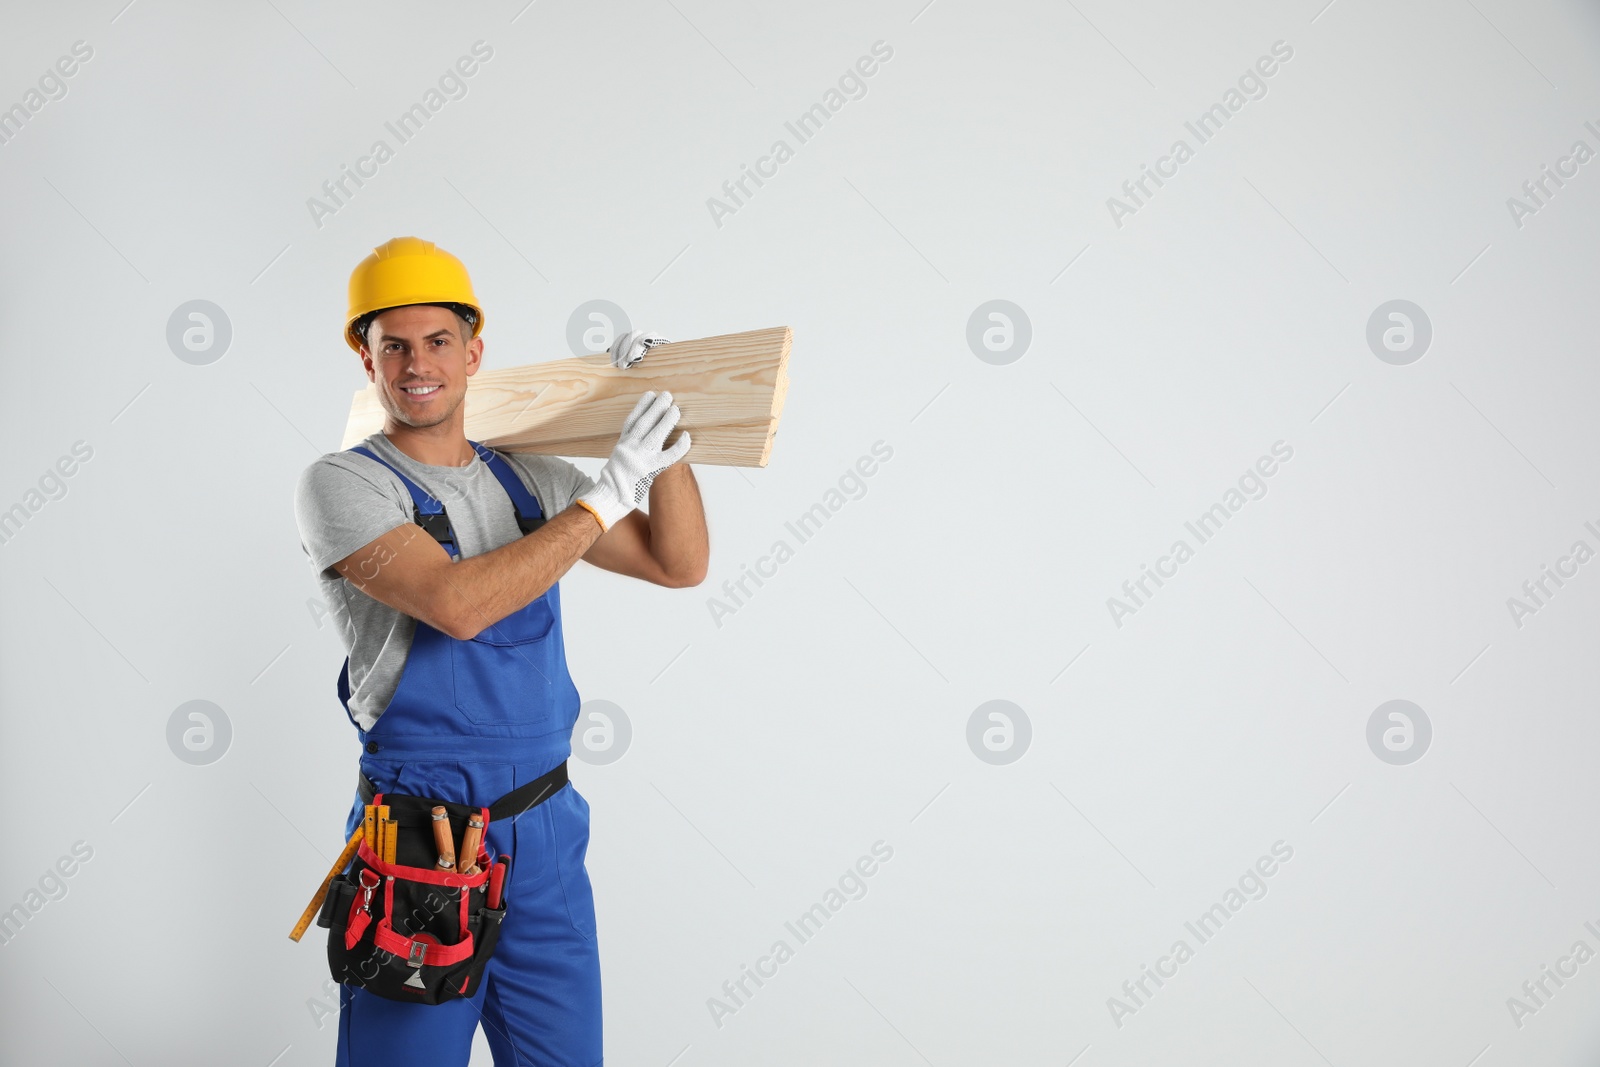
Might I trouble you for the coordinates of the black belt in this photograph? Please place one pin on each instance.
(514, 803)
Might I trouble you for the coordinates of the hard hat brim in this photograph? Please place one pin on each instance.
(356, 342)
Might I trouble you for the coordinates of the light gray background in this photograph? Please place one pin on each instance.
(831, 711)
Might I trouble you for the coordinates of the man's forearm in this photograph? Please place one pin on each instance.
(678, 538)
(481, 590)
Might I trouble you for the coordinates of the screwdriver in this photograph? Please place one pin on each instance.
(471, 839)
(443, 838)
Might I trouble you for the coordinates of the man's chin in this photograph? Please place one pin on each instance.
(417, 420)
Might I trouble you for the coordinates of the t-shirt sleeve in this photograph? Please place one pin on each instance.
(574, 482)
(339, 508)
(557, 482)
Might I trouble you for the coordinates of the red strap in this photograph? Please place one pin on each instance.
(432, 955)
(359, 918)
(432, 876)
(360, 909)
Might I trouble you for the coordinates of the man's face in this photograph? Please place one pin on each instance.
(419, 362)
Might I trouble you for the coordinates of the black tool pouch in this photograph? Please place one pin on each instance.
(408, 930)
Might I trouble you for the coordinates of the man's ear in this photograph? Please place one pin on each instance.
(474, 355)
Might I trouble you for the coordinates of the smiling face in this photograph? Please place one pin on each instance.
(420, 358)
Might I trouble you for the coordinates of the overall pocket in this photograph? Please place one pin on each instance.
(510, 673)
(569, 816)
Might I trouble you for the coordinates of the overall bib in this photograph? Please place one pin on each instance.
(469, 722)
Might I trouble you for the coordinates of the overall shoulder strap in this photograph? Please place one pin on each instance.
(530, 516)
(427, 511)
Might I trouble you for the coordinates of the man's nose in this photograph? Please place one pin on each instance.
(418, 360)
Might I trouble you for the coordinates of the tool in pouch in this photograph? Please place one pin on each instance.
(399, 924)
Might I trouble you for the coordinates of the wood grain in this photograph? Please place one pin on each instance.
(730, 390)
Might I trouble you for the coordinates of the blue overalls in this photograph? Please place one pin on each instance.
(469, 722)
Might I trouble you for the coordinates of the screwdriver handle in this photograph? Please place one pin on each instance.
(443, 839)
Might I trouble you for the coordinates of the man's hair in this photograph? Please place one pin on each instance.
(466, 316)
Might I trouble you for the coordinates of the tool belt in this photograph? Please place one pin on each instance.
(405, 929)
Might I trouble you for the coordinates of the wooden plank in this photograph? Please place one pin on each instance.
(729, 388)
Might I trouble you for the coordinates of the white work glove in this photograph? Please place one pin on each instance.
(624, 481)
(629, 348)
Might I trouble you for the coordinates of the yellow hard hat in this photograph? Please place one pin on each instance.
(408, 270)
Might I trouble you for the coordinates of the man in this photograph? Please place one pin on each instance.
(456, 678)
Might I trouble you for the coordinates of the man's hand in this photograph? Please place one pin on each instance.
(639, 456)
(629, 348)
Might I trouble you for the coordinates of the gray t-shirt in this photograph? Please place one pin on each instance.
(345, 501)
